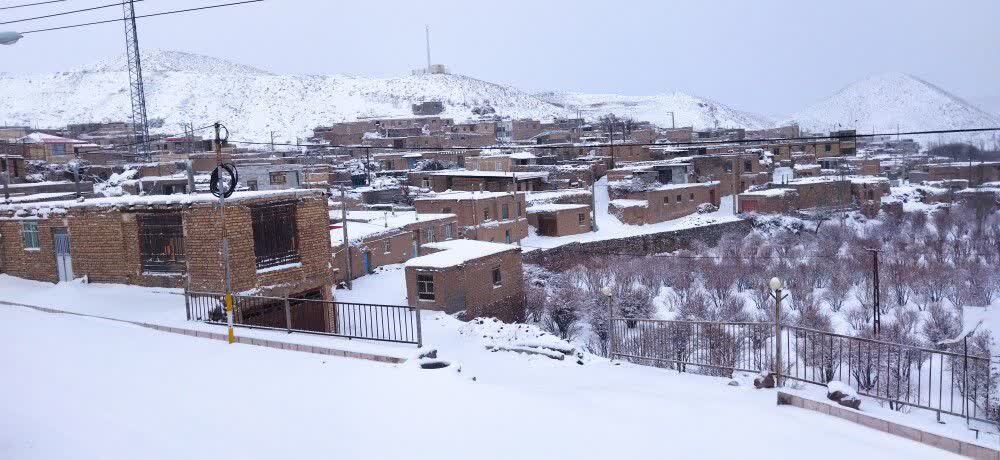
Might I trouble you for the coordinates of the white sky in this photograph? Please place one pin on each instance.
(767, 56)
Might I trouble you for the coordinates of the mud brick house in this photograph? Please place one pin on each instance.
(483, 279)
(49, 148)
(554, 219)
(738, 171)
(769, 201)
(380, 238)
(977, 173)
(279, 242)
(662, 203)
(484, 216)
(489, 181)
(13, 166)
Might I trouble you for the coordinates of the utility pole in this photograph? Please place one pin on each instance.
(368, 169)
(225, 237)
(775, 293)
(611, 142)
(735, 190)
(876, 297)
(272, 141)
(347, 243)
(427, 35)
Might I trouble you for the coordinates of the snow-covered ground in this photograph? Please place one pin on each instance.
(609, 227)
(88, 388)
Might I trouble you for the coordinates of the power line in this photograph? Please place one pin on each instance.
(31, 4)
(634, 144)
(66, 12)
(162, 13)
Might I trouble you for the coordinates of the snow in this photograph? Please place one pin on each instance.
(157, 200)
(181, 87)
(843, 388)
(463, 196)
(554, 207)
(891, 102)
(626, 203)
(524, 155)
(550, 196)
(471, 173)
(701, 113)
(278, 268)
(100, 389)
(457, 252)
(771, 192)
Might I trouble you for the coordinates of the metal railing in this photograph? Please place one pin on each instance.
(387, 323)
(903, 375)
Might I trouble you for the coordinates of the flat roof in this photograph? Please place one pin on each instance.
(158, 200)
(554, 207)
(484, 195)
(512, 175)
(457, 252)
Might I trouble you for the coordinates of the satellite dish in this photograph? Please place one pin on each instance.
(9, 38)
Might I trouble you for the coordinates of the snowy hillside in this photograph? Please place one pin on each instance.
(688, 110)
(182, 87)
(883, 102)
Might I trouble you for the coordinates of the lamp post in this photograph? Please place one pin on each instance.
(776, 294)
(9, 37)
(607, 292)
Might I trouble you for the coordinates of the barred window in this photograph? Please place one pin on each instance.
(161, 243)
(29, 235)
(497, 280)
(505, 212)
(274, 235)
(425, 287)
(278, 178)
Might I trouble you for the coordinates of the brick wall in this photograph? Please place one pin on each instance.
(470, 287)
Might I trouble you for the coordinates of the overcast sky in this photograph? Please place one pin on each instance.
(767, 56)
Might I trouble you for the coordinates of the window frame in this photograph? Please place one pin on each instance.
(497, 277)
(36, 242)
(161, 230)
(266, 221)
(425, 287)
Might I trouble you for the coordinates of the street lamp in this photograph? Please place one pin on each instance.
(9, 38)
(607, 292)
(775, 285)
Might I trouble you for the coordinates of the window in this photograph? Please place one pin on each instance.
(425, 287)
(252, 185)
(486, 214)
(278, 179)
(58, 149)
(666, 200)
(29, 235)
(506, 236)
(826, 147)
(680, 198)
(446, 229)
(425, 183)
(161, 243)
(747, 165)
(497, 280)
(505, 211)
(581, 218)
(729, 166)
(430, 234)
(387, 247)
(446, 210)
(275, 239)
(519, 210)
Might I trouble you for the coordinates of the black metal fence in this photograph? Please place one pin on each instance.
(387, 323)
(944, 381)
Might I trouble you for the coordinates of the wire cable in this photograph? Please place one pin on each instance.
(633, 144)
(31, 4)
(162, 13)
(67, 12)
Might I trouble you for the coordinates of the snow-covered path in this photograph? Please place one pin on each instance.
(88, 388)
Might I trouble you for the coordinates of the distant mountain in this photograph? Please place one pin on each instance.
(890, 101)
(183, 87)
(688, 110)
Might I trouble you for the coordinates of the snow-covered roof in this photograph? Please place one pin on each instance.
(457, 252)
(159, 200)
(523, 155)
(514, 175)
(552, 195)
(554, 207)
(771, 192)
(463, 196)
(42, 138)
(624, 203)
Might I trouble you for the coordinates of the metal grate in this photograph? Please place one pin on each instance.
(161, 242)
(275, 238)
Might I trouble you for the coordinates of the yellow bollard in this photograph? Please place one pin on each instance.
(229, 316)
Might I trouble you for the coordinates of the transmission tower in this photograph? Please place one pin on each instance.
(140, 128)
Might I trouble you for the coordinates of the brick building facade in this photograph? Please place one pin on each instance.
(484, 216)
